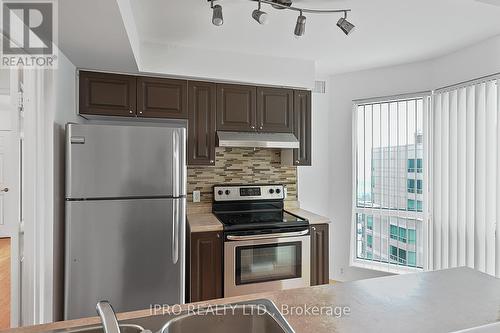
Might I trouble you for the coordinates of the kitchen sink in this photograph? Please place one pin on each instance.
(260, 316)
(124, 328)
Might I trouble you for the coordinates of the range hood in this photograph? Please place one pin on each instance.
(257, 140)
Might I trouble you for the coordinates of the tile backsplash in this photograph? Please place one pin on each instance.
(242, 166)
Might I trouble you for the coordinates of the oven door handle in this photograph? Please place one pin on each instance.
(268, 236)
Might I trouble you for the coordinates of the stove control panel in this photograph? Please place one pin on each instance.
(249, 192)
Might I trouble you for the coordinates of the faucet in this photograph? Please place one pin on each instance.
(108, 317)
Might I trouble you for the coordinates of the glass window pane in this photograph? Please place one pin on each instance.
(412, 236)
(368, 155)
(394, 231)
(402, 256)
(412, 259)
(360, 159)
(402, 235)
(389, 176)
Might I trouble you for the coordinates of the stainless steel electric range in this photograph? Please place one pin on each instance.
(265, 248)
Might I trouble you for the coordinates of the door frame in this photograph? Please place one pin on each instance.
(13, 171)
(37, 280)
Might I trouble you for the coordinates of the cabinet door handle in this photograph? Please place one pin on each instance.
(260, 127)
(140, 112)
(297, 162)
(314, 228)
(212, 161)
(130, 111)
(5, 190)
(252, 126)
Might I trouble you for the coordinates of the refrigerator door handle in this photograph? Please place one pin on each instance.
(175, 165)
(175, 232)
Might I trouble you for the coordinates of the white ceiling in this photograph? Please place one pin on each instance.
(387, 32)
(92, 35)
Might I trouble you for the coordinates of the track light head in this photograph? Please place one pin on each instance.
(217, 18)
(300, 27)
(344, 25)
(259, 16)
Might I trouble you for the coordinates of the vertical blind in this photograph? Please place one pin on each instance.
(466, 177)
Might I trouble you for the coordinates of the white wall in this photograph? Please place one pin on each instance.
(64, 87)
(312, 180)
(475, 61)
(226, 66)
(4, 80)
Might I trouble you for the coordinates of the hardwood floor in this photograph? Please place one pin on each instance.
(4, 283)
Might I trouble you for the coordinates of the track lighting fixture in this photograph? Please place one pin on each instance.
(300, 27)
(259, 16)
(345, 25)
(217, 18)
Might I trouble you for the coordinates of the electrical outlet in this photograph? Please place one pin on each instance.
(196, 196)
(285, 192)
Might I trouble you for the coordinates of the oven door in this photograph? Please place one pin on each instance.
(259, 263)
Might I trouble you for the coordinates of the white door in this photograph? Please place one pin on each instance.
(9, 201)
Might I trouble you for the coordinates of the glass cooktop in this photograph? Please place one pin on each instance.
(259, 220)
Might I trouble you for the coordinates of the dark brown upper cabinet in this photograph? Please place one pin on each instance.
(201, 123)
(107, 94)
(319, 254)
(161, 98)
(236, 107)
(302, 127)
(274, 110)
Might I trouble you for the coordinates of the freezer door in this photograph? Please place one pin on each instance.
(108, 161)
(129, 252)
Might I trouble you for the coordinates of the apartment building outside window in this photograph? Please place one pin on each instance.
(390, 182)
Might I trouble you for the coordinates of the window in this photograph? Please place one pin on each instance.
(389, 182)
(402, 235)
(412, 188)
(411, 185)
(420, 184)
(415, 205)
(394, 232)
(411, 165)
(412, 236)
(412, 258)
(369, 223)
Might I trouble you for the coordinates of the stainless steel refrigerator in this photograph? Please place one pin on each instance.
(125, 217)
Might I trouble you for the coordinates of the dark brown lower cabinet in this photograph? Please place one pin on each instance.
(205, 269)
(319, 254)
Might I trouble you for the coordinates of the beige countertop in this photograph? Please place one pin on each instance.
(203, 222)
(313, 218)
(441, 301)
